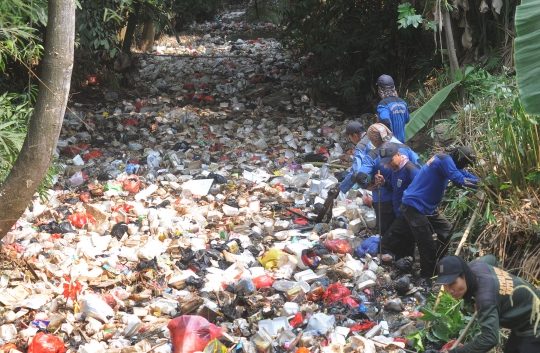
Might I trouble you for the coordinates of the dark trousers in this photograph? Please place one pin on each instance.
(423, 227)
(387, 215)
(398, 239)
(517, 344)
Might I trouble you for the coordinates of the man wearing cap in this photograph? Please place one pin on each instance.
(398, 239)
(501, 300)
(379, 134)
(392, 110)
(357, 135)
(422, 197)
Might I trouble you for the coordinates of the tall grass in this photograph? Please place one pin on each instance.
(506, 141)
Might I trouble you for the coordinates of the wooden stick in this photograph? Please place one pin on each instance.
(320, 164)
(479, 204)
(462, 336)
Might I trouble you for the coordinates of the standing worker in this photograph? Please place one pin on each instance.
(501, 300)
(392, 110)
(357, 135)
(422, 197)
(398, 241)
(379, 134)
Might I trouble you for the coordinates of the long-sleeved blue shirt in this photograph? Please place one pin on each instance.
(400, 182)
(358, 157)
(370, 166)
(427, 189)
(396, 111)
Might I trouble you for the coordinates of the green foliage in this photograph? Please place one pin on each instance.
(187, 11)
(408, 17)
(421, 116)
(15, 113)
(97, 24)
(17, 38)
(448, 321)
(527, 50)
(354, 42)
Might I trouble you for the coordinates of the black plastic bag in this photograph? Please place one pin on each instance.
(119, 229)
(62, 228)
(195, 282)
(315, 157)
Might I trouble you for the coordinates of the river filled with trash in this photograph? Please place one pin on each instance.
(185, 219)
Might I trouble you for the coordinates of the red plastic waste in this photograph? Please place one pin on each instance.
(132, 184)
(9, 347)
(192, 333)
(84, 196)
(70, 151)
(297, 320)
(79, 219)
(361, 326)
(449, 345)
(72, 289)
(339, 246)
(335, 292)
(92, 155)
(46, 343)
(188, 86)
(263, 281)
(350, 302)
(131, 121)
(93, 79)
(83, 146)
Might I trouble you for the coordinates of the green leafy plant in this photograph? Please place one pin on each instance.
(408, 17)
(527, 49)
(448, 321)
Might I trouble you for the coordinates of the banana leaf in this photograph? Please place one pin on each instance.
(421, 116)
(526, 53)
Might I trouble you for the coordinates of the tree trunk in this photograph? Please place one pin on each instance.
(130, 29)
(40, 143)
(450, 46)
(149, 32)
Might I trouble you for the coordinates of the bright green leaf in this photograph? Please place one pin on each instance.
(421, 116)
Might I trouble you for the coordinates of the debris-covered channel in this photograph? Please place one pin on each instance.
(184, 220)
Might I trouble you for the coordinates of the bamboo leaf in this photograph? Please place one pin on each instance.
(527, 49)
(421, 116)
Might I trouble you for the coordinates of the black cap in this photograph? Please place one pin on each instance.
(449, 269)
(385, 81)
(387, 151)
(353, 128)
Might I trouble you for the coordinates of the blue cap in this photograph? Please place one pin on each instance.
(385, 81)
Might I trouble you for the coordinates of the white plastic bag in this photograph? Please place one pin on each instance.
(94, 306)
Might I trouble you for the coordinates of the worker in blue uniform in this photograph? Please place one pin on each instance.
(398, 241)
(392, 110)
(431, 230)
(357, 135)
(365, 178)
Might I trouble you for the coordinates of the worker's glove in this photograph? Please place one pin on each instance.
(333, 192)
(432, 351)
(361, 178)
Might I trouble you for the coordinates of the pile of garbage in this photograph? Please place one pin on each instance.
(181, 227)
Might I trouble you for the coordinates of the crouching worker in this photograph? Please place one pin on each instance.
(398, 241)
(502, 300)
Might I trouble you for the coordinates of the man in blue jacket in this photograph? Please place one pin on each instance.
(357, 135)
(430, 229)
(392, 110)
(365, 178)
(398, 239)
